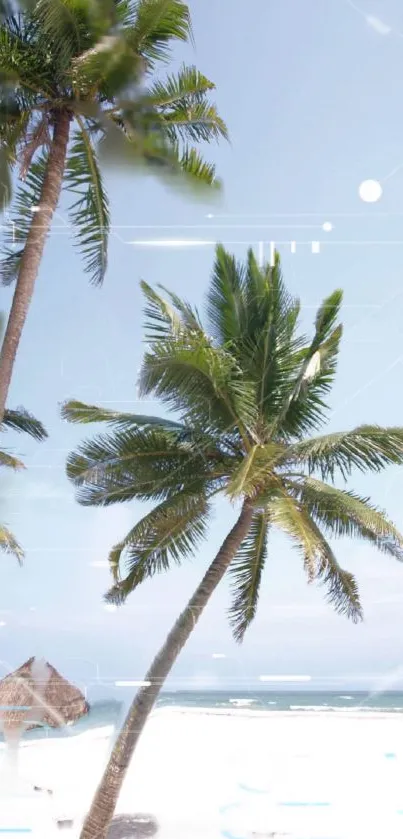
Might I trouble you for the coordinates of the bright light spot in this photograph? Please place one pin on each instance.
(218, 655)
(172, 243)
(101, 563)
(32, 608)
(35, 209)
(209, 215)
(3, 623)
(370, 191)
(132, 684)
(327, 226)
(378, 25)
(110, 607)
(285, 678)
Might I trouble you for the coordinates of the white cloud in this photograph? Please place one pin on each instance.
(378, 25)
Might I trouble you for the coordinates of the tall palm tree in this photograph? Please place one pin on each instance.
(79, 84)
(248, 393)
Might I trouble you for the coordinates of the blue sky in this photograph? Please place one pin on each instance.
(310, 90)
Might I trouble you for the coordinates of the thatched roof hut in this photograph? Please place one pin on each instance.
(37, 694)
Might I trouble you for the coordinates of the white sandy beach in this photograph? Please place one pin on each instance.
(211, 774)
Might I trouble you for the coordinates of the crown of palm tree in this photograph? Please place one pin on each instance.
(250, 396)
(95, 60)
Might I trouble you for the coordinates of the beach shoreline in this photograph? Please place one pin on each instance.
(229, 773)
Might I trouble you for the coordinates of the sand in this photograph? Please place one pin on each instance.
(229, 775)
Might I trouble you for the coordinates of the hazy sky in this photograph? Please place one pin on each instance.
(311, 91)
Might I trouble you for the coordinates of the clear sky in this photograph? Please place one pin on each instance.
(311, 91)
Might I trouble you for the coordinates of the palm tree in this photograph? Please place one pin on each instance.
(79, 84)
(249, 391)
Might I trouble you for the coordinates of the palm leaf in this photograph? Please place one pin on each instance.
(71, 26)
(303, 407)
(200, 381)
(15, 233)
(319, 561)
(225, 302)
(188, 85)
(78, 412)
(9, 544)
(25, 62)
(255, 472)
(172, 531)
(90, 213)
(187, 114)
(145, 463)
(344, 513)
(341, 586)
(290, 517)
(109, 67)
(22, 420)
(157, 23)
(368, 448)
(246, 572)
(197, 171)
(161, 319)
(9, 461)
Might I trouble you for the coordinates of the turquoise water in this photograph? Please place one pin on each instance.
(111, 711)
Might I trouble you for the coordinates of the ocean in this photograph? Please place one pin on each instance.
(111, 711)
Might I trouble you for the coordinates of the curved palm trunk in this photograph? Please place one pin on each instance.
(33, 251)
(104, 803)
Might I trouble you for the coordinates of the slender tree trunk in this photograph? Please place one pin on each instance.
(104, 803)
(31, 258)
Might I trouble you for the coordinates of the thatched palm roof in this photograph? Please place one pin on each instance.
(26, 700)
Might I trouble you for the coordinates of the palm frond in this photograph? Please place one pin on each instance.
(187, 114)
(368, 448)
(145, 463)
(22, 420)
(15, 233)
(157, 23)
(10, 462)
(344, 513)
(171, 532)
(78, 412)
(200, 381)
(197, 171)
(225, 301)
(25, 62)
(341, 586)
(109, 67)
(303, 407)
(269, 345)
(290, 517)
(187, 85)
(90, 213)
(161, 319)
(246, 572)
(9, 544)
(256, 471)
(293, 518)
(71, 26)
